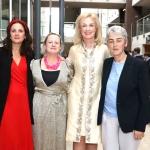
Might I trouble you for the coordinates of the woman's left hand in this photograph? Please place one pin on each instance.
(138, 135)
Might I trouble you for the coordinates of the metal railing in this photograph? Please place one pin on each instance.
(141, 26)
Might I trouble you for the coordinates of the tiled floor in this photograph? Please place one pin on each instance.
(145, 143)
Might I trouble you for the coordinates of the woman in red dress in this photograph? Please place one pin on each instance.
(16, 88)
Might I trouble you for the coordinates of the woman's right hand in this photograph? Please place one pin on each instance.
(138, 135)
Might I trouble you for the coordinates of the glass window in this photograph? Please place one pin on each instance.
(15, 9)
(24, 10)
(19, 9)
(147, 24)
(134, 29)
(5, 14)
(140, 27)
(4, 18)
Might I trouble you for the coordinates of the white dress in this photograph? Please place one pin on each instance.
(86, 95)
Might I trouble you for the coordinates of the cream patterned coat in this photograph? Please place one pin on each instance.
(80, 60)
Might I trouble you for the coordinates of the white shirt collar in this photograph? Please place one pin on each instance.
(147, 58)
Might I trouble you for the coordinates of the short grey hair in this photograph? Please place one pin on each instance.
(117, 30)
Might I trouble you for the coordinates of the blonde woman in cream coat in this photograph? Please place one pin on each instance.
(86, 57)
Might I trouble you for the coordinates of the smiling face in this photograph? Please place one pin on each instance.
(116, 44)
(88, 29)
(53, 44)
(17, 33)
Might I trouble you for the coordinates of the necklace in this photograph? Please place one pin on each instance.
(86, 46)
(54, 66)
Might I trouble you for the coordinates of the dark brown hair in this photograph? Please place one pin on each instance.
(147, 54)
(25, 48)
(137, 49)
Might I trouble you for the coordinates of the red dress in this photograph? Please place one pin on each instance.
(16, 129)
